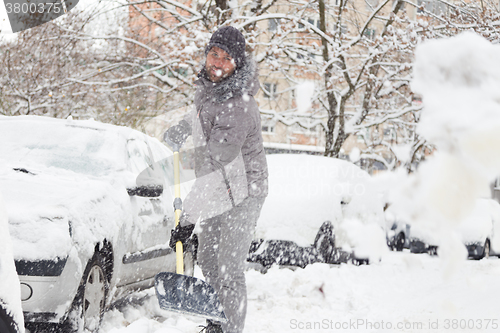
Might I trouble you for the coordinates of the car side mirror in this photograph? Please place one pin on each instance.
(149, 183)
(148, 191)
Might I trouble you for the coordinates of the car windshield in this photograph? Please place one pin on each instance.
(86, 150)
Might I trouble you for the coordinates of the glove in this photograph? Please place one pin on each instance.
(176, 135)
(181, 234)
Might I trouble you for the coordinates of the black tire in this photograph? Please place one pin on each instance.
(90, 300)
(7, 323)
(399, 242)
(324, 243)
(432, 250)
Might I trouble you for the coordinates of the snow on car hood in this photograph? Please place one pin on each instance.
(46, 207)
(477, 226)
(305, 191)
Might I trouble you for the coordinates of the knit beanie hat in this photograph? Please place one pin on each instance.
(230, 40)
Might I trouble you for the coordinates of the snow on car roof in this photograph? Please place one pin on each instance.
(85, 147)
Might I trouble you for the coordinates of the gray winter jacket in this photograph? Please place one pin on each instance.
(230, 163)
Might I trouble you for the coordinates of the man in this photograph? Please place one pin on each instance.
(231, 171)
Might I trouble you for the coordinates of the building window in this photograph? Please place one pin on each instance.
(371, 4)
(267, 129)
(370, 33)
(311, 21)
(273, 24)
(314, 22)
(390, 134)
(416, 100)
(270, 90)
(433, 6)
(343, 29)
(180, 71)
(402, 6)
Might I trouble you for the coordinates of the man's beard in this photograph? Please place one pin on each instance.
(216, 75)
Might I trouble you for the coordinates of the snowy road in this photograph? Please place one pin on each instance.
(403, 293)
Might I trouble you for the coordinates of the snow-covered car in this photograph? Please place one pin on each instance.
(319, 209)
(90, 211)
(479, 232)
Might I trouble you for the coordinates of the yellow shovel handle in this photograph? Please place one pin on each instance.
(179, 251)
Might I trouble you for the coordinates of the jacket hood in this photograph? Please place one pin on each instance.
(243, 81)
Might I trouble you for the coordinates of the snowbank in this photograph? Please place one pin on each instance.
(402, 293)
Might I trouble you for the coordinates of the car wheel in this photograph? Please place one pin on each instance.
(432, 251)
(7, 322)
(90, 301)
(399, 243)
(324, 243)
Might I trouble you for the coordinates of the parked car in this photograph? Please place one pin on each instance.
(90, 213)
(319, 209)
(480, 232)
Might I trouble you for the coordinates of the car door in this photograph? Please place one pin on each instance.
(146, 240)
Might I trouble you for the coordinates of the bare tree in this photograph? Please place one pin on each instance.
(359, 53)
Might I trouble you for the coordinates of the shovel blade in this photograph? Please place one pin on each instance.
(188, 295)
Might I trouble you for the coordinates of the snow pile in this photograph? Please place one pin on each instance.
(10, 293)
(459, 79)
(305, 191)
(402, 293)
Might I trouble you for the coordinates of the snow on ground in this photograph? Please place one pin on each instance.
(404, 292)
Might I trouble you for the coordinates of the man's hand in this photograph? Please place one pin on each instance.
(176, 135)
(181, 234)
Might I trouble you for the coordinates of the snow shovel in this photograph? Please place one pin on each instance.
(181, 293)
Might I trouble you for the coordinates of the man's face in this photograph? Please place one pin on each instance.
(219, 64)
